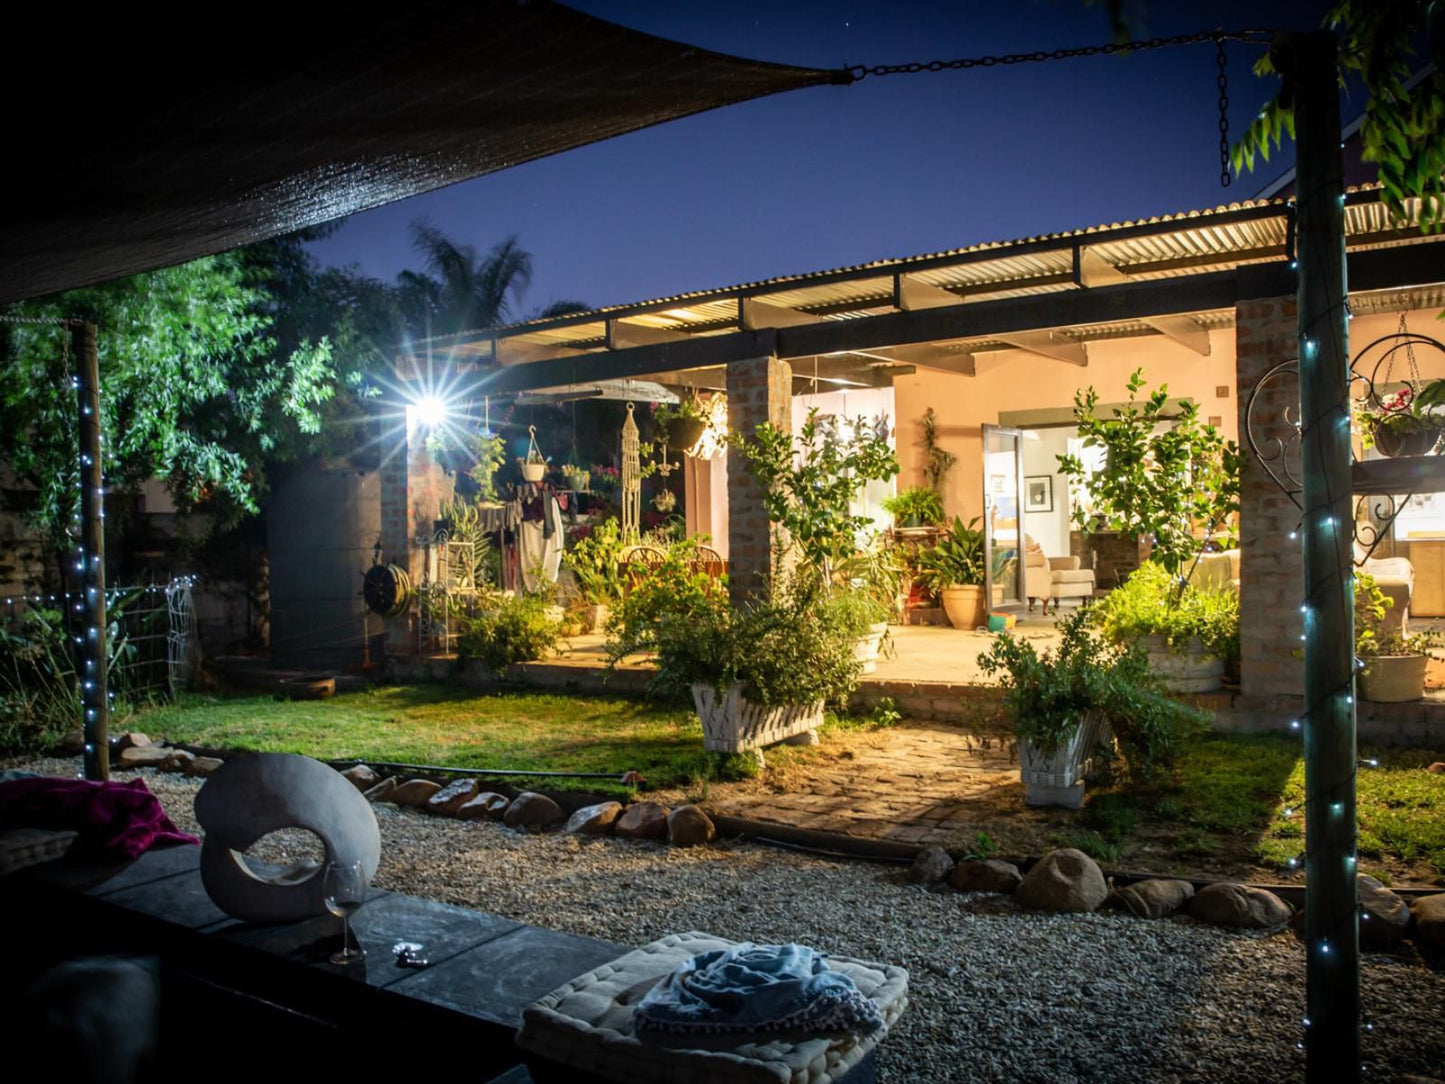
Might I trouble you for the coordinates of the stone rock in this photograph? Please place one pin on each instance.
(73, 743)
(1429, 912)
(250, 796)
(531, 810)
(1242, 906)
(486, 806)
(1063, 880)
(414, 792)
(133, 739)
(987, 875)
(594, 820)
(382, 791)
(362, 777)
(452, 797)
(687, 826)
(1384, 917)
(1155, 898)
(642, 820)
(203, 766)
(143, 756)
(177, 761)
(1437, 768)
(931, 865)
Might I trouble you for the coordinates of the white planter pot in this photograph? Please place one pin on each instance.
(1393, 679)
(597, 617)
(1057, 778)
(731, 724)
(1192, 670)
(533, 472)
(866, 649)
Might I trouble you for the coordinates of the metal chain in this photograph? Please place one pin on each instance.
(1222, 79)
(861, 71)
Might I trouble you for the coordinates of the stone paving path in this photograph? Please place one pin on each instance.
(916, 783)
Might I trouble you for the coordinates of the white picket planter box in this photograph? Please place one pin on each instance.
(1192, 670)
(1058, 778)
(866, 649)
(731, 724)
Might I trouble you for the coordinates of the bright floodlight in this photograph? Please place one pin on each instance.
(431, 411)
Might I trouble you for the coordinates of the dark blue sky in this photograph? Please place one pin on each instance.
(888, 167)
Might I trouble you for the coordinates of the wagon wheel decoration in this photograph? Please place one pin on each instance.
(386, 589)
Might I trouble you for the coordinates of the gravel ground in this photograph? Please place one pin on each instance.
(996, 994)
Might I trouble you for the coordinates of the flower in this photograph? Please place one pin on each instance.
(1400, 400)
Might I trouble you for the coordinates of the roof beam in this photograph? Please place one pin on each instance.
(1093, 270)
(927, 356)
(754, 315)
(911, 294)
(622, 335)
(1048, 344)
(516, 352)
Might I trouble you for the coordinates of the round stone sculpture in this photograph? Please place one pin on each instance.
(253, 795)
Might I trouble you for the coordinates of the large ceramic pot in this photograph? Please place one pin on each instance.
(682, 433)
(866, 648)
(1193, 670)
(964, 606)
(1393, 679)
(731, 724)
(1416, 442)
(1057, 778)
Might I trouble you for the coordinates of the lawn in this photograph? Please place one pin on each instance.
(457, 728)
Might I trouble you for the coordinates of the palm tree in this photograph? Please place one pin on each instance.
(458, 290)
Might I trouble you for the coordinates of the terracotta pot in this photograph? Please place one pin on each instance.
(1393, 679)
(1416, 442)
(964, 606)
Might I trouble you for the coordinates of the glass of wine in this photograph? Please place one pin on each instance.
(345, 892)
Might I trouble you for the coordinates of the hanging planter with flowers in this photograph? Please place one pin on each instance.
(534, 466)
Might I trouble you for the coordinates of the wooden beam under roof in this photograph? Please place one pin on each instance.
(518, 352)
(927, 356)
(1093, 270)
(753, 315)
(911, 294)
(1048, 344)
(625, 334)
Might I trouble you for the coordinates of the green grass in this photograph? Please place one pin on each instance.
(460, 728)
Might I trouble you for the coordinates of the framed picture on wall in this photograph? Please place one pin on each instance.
(1039, 493)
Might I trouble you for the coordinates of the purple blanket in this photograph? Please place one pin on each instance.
(116, 821)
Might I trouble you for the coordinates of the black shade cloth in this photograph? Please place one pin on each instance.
(143, 137)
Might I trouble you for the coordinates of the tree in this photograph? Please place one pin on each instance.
(459, 290)
(194, 387)
(1381, 43)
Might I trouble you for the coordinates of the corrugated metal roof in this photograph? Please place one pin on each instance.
(1164, 246)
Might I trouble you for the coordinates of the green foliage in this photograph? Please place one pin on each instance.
(464, 524)
(784, 648)
(812, 478)
(877, 572)
(956, 560)
(489, 451)
(920, 505)
(673, 592)
(884, 715)
(596, 561)
(508, 629)
(1403, 130)
(194, 390)
(1048, 695)
(1151, 602)
(686, 408)
(1372, 639)
(1166, 475)
(854, 612)
(937, 462)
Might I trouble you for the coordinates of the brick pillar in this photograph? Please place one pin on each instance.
(413, 489)
(1271, 563)
(759, 390)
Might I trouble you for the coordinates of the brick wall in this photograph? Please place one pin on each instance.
(413, 489)
(1271, 563)
(759, 390)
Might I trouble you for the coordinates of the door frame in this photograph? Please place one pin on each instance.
(1020, 602)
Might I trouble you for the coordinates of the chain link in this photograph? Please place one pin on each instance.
(1222, 79)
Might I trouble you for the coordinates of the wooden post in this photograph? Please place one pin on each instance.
(1332, 1027)
(90, 562)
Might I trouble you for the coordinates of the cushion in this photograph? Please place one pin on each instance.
(587, 1025)
(1080, 576)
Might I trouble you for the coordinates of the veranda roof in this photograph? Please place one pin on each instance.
(139, 140)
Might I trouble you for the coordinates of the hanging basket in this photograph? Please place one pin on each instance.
(534, 466)
(683, 433)
(1392, 444)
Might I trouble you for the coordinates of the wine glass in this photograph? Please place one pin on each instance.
(344, 892)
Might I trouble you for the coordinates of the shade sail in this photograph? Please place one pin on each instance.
(139, 142)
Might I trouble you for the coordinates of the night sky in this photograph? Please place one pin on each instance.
(889, 167)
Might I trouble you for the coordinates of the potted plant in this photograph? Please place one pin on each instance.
(1394, 664)
(1190, 634)
(1071, 705)
(578, 478)
(863, 619)
(683, 423)
(534, 463)
(953, 570)
(918, 506)
(595, 559)
(869, 590)
(1405, 423)
(489, 452)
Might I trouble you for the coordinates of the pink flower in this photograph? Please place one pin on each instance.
(1399, 401)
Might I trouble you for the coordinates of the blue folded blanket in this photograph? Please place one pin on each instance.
(757, 988)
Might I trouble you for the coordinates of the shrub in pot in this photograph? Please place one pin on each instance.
(863, 619)
(1191, 634)
(1070, 704)
(507, 629)
(919, 506)
(953, 570)
(595, 559)
(1394, 664)
(682, 423)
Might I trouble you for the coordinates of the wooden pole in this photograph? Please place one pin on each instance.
(1332, 996)
(94, 698)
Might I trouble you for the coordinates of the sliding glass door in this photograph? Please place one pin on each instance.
(1003, 531)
